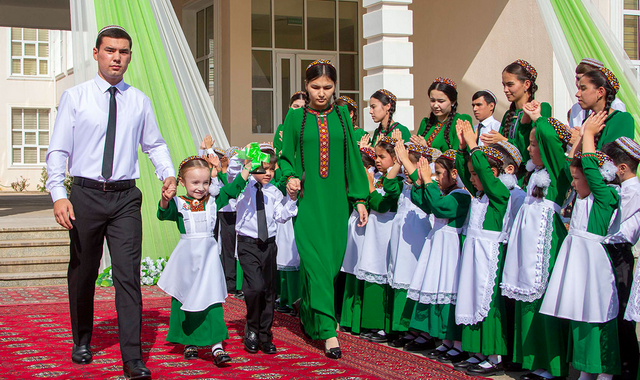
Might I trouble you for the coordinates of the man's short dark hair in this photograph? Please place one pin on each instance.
(485, 95)
(113, 33)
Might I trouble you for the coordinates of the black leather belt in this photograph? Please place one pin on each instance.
(104, 186)
(247, 239)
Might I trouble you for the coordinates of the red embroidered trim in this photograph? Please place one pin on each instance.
(323, 132)
(435, 132)
(194, 204)
(379, 184)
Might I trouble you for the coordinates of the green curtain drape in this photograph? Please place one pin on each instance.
(585, 40)
(149, 71)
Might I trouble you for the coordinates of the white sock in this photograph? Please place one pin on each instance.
(473, 360)
(409, 336)
(585, 376)
(217, 346)
(546, 374)
(457, 345)
(495, 359)
(605, 376)
(486, 364)
(443, 348)
(420, 339)
(382, 333)
(538, 371)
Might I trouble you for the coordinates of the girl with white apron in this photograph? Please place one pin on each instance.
(540, 341)
(479, 306)
(194, 276)
(409, 231)
(350, 318)
(435, 281)
(372, 267)
(582, 285)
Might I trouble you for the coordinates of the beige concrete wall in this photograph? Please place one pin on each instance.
(24, 93)
(471, 42)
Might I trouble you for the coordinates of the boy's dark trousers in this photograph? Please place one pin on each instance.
(622, 259)
(258, 262)
(227, 239)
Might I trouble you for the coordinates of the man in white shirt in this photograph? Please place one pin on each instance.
(484, 104)
(98, 129)
(576, 114)
(259, 208)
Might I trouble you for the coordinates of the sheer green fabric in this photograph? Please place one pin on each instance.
(149, 71)
(585, 40)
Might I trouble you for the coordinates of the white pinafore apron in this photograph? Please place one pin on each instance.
(194, 275)
(408, 235)
(288, 258)
(374, 259)
(526, 268)
(435, 279)
(582, 286)
(478, 266)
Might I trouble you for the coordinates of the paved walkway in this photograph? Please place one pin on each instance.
(29, 209)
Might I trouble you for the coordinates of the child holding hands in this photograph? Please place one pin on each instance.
(194, 276)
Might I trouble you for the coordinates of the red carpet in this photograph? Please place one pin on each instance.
(35, 343)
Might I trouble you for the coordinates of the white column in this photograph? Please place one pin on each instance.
(388, 56)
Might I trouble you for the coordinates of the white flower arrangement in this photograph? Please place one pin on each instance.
(150, 271)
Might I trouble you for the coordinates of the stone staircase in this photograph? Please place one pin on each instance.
(31, 256)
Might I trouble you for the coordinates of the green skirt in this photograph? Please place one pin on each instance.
(289, 287)
(374, 306)
(595, 347)
(352, 304)
(540, 341)
(489, 337)
(401, 309)
(439, 321)
(203, 328)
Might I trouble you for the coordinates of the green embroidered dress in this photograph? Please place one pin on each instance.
(435, 136)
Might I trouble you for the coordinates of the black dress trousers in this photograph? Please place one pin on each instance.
(116, 216)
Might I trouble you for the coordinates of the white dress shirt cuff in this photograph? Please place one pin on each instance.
(58, 192)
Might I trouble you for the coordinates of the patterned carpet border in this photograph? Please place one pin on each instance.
(35, 343)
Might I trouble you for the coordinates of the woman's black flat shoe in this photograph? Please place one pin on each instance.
(190, 352)
(333, 353)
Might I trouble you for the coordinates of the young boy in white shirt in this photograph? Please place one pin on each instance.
(259, 208)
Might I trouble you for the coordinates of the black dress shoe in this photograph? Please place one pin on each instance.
(435, 354)
(284, 309)
(81, 354)
(239, 295)
(458, 356)
(251, 341)
(492, 370)
(378, 338)
(333, 353)
(190, 352)
(400, 342)
(533, 376)
(512, 366)
(463, 365)
(136, 370)
(220, 357)
(416, 346)
(366, 335)
(268, 348)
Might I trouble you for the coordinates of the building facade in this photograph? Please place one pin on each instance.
(252, 55)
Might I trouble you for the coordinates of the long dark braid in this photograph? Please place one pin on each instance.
(597, 78)
(344, 133)
(522, 75)
(449, 121)
(385, 97)
(431, 121)
(305, 111)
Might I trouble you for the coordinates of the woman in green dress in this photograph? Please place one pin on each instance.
(320, 159)
(297, 101)
(519, 83)
(597, 89)
(382, 107)
(439, 130)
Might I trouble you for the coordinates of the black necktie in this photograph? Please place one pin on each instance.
(110, 139)
(263, 231)
(479, 131)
